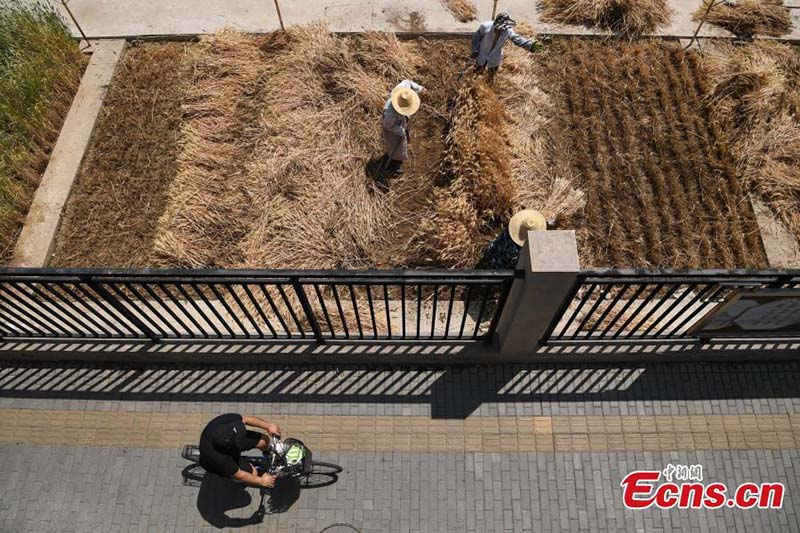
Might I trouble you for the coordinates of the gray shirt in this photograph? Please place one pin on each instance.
(393, 121)
(489, 51)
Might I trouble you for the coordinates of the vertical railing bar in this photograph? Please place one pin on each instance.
(609, 307)
(29, 312)
(290, 308)
(117, 323)
(433, 312)
(577, 310)
(480, 311)
(239, 323)
(465, 312)
(642, 306)
(324, 309)
(88, 312)
(679, 310)
(335, 292)
(157, 314)
(403, 308)
(312, 320)
(213, 308)
(259, 310)
(501, 303)
(138, 323)
(10, 324)
(636, 312)
(193, 302)
(357, 311)
(718, 290)
(655, 308)
(419, 308)
(167, 309)
(274, 307)
(371, 312)
(449, 310)
(184, 311)
(386, 306)
(63, 312)
(665, 312)
(232, 291)
(588, 315)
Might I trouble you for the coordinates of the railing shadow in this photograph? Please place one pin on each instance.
(451, 391)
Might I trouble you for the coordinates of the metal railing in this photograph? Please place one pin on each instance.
(252, 304)
(642, 305)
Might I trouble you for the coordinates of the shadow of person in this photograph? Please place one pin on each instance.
(285, 492)
(218, 496)
(378, 172)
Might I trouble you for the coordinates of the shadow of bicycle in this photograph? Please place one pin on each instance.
(220, 500)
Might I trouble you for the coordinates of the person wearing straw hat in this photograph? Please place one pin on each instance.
(490, 38)
(504, 250)
(403, 102)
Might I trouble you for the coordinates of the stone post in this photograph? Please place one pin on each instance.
(549, 260)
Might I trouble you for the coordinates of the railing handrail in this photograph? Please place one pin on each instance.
(685, 272)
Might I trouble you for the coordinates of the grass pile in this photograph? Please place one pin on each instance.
(277, 135)
(462, 10)
(626, 17)
(754, 91)
(120, 193)
(661, 184)
(747, 18)
(40, 70)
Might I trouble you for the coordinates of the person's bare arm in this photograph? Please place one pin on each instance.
(265, 481)
(254, 421)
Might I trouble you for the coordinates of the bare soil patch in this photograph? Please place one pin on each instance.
(111, 217)
(661, 185)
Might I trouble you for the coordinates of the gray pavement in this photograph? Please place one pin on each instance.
(115, 18)
(54, 488)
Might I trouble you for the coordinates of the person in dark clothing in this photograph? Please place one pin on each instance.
(225, 438)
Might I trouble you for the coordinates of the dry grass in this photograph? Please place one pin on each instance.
(754, 90)
(748, 17)
(110, 218)
(278, 133)
(462, 10)
(627, 17)
(661, 186)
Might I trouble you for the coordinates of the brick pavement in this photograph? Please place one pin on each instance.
(510, 447)
(54, 488)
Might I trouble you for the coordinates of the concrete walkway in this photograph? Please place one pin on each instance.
(122, 18)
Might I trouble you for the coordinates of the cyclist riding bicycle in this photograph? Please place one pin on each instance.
(225, 438)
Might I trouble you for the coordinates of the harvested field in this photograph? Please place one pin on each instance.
(754, 92)
(748, 17)
(110, 219)
(627, 17)
(662, 187)
(462, 10)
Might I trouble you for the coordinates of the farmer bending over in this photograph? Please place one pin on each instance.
(488, 42)
(402, 103)
(225, 438)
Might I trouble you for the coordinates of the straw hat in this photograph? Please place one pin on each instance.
(524, 221)
(405, 101)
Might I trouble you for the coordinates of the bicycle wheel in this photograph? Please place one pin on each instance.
(193, 475)
(318, 467)
(316, 480)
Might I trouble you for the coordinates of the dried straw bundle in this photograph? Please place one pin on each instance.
(748, 17)
(755, 93)
(627, 17)
(462, 10)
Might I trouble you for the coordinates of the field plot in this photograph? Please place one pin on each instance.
(661, 186)
(244, 151)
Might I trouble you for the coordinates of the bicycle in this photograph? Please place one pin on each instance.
(289, 459)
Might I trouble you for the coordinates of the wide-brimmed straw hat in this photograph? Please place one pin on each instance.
(523, 222)
(405, 101)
